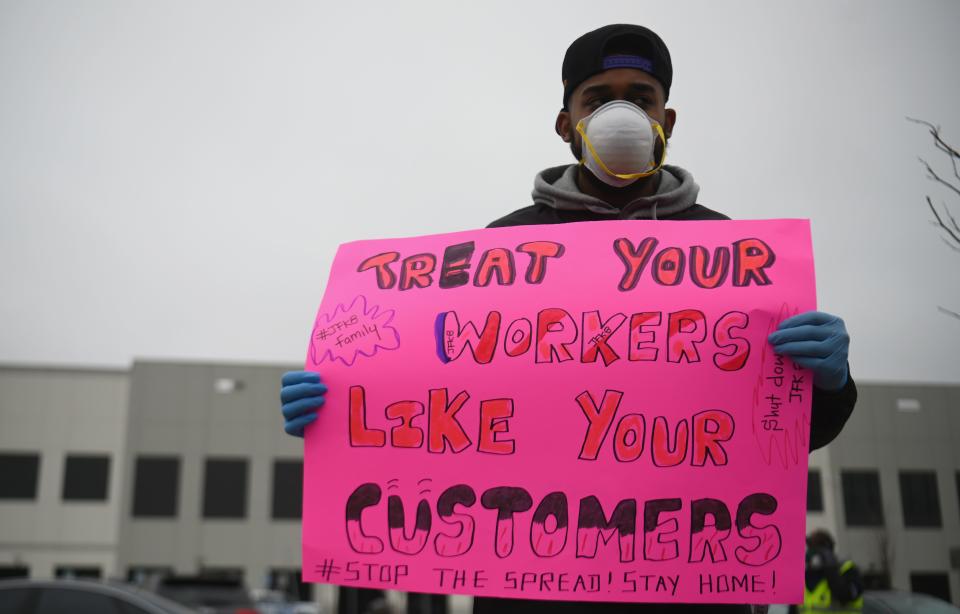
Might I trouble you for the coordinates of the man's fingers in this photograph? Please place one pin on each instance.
(817, 363)
(301, 391)
(295, 427)
(807, 362)
(804, 332)
(815, 349)
(808, 317)
(302, 406)
(299, 377)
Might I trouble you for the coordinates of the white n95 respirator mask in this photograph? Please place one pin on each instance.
(619, 143)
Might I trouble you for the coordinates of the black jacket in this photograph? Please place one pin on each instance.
(830, 412)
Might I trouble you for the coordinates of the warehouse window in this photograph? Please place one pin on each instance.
(155, 486)
(145, 574)
(72, 572)
(18, 475)
(224, 575)
(287, 489)
(931, 583)
(8, 572)
(85, 477)
(862, 504)
(225, 488)
(956, 478)
(920, 499)
(814, 491)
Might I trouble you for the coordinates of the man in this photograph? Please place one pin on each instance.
(829, 586)
(616, 82)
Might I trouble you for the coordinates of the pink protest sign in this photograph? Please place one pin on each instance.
(582, 411)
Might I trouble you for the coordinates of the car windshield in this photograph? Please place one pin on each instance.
(205, 593)
(164, 603)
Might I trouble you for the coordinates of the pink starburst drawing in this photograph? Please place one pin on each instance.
(349, 332)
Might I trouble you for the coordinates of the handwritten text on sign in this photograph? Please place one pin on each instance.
(582, 411)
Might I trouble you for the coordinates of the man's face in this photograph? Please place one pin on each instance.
(628, 84)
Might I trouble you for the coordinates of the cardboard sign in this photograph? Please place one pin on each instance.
(584, 411)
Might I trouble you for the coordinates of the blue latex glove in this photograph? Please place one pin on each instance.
(301, 395)
(817, 341)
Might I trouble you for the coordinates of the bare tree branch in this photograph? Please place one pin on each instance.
(940, 144)
(953, 235)
(946, 222)
(949, 313)
(953, 220)
(949, 244)
(935, 131)
(938, 178)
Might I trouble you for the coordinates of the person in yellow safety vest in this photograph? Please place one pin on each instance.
(830, 586)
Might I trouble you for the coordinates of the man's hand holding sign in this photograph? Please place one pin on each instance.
(578, 412)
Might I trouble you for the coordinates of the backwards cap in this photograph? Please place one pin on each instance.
(616, 46)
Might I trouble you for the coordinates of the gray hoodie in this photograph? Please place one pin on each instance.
(556, 187)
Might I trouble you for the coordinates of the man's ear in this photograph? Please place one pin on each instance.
(562, 125)
(670, 118)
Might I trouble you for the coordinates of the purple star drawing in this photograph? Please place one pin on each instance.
(353, 331)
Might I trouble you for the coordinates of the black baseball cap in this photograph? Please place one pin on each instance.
(616, 46)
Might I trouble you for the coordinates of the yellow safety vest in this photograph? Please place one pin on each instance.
(820, 600)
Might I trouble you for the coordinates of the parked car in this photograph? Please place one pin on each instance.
(899, 602)
(276, 602)
(207, 595)
(82, 597)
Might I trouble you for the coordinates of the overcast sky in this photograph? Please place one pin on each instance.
(175, 177)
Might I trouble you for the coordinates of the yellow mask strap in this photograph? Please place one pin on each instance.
(647, 173)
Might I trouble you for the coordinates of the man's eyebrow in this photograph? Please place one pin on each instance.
(643, 87)
(597, 89)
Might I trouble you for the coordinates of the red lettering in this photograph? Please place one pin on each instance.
(685, 330)
(750, 258)
(493, 419)
(663, 454)
(443, 424)
(405, 435)
(416, 270)
(710, 429)
(381, 262)
(555, 330)
(640, 337)
(453, 338)
(628, 438)
(599, 419)
(360, 435)
(596, 337)
(518, 337)
(724, 338)
(539, 251)
(497, 261)
(668, 266)
(634, 260)
(700, 260)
